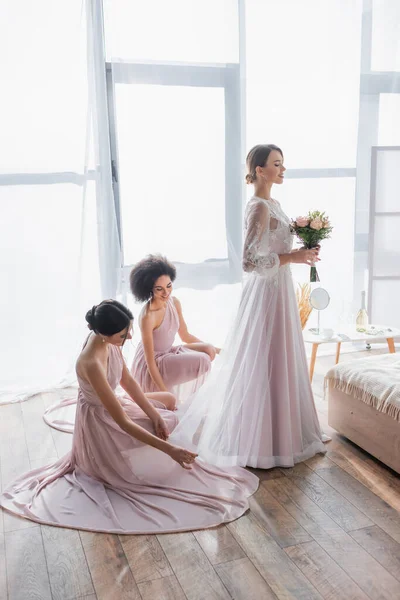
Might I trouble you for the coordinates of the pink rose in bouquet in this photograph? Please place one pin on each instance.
(316, 224)
(302, 221)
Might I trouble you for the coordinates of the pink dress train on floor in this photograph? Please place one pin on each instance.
(111, 482)
(183, 370)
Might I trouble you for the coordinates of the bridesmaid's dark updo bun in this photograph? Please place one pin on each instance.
(146, 272)
(257, 157)
(90, 318)
(108, 317)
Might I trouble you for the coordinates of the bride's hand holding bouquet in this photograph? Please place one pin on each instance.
(311, 230)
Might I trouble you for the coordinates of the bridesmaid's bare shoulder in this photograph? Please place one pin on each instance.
(148, 317)
(88, 361)
(176, 302)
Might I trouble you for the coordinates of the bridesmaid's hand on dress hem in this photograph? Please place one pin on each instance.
(182, 457)
(160, 428)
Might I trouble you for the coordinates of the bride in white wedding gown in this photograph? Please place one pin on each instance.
(257, 407)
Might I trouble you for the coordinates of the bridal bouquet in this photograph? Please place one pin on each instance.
(311, 230)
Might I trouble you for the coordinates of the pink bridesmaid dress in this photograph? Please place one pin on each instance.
(182, 370)
(111, 482)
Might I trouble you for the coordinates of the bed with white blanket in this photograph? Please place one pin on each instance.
(364, 405)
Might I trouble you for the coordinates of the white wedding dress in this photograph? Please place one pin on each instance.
(257, 407)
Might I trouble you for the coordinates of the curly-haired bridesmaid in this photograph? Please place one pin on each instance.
(159, 365)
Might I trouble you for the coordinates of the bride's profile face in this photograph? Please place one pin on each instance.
(273, 170)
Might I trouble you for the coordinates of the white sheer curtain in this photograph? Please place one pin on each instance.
(52, 194)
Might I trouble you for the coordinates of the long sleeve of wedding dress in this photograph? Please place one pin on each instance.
(257, 253)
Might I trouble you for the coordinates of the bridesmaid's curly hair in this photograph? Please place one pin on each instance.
(146, 272)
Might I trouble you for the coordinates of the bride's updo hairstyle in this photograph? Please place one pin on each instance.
(146, 272)
(257, 157)
(109, 317)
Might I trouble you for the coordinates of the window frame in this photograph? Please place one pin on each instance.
(226, 76)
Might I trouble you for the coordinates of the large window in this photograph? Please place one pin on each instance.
(175, 139)
(174, 99)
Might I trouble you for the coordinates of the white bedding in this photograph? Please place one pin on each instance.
(374, 380)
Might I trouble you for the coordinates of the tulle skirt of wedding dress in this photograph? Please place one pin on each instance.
(257, 407)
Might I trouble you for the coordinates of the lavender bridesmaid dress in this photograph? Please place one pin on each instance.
(183, 370)
(110, 482)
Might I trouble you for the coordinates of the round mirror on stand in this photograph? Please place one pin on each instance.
(319, 299)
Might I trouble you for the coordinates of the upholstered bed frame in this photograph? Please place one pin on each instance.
(364, 405)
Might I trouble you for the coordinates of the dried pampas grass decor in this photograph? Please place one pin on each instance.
(303, 302)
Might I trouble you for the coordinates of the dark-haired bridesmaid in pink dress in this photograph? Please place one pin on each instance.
(122, 474)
